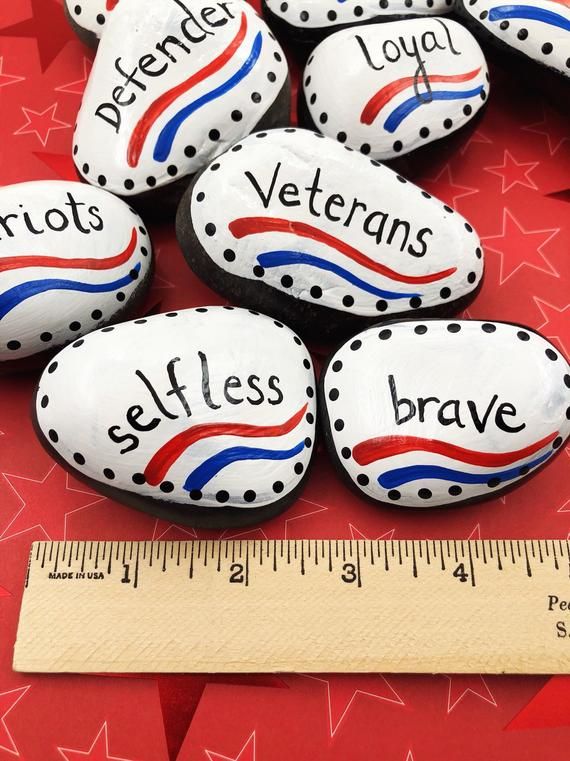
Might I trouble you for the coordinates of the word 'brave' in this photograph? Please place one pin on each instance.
(233, 390)
(375, 223)
(194, 28)
(452, 411)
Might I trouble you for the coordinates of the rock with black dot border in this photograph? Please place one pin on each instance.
(324, 238)
(204, 417)
(535, 30)
(72, 259)
(438, 413)
(88, 18)
(308, 22)
(407, 84)
(172, 86)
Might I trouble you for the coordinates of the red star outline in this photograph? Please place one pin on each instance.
(333, 728)
(475, 137)
(99, 744)
(509, 218)
(7, 476)
(43, 138)
(248, 747)
(562, 138)
(446, 184)
(485, 693)
(356, 534)
(8, 79)
(7, 705)
(541, 304)
(508, 158)
(77, 87)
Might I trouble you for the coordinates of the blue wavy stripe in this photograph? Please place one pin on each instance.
(533, 14)
(14, 296)
(212, 466)
(399, 476)
(281, 258)
(408, 106)
(169, 131)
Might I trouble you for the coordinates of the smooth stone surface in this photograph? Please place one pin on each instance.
(422, 414)
(388, 89)
(293, 224)
(88, 18)
(171, 88)
(206, 415)
(306, 21)
(539, 30)
(72, 259)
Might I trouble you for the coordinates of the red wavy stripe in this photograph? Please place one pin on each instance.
(20, 262)
(388, 446)
(253, 225)
(160, 105)
(167, 455)
(385, 94)
(110, 5)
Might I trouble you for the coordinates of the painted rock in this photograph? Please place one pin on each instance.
(538, 30)
(72, 259)
(293, 224)
(310, 21)
(88, 18)
(433, 413)
(205, 416)
(172, 86)
(388, 89)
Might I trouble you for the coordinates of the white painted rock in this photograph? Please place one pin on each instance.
(296, 225)
(174, 85)
(205, 415)
(310, 21)
(539, 30)
(388, 89)
(432, 413)
(88, 18)
(72, 258)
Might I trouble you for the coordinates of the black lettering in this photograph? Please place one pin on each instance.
(206, 382)
(355, 205)
(252, 383)
(366, 54)
(3, 222)
(553, 601)
(420, 239)
(176, 388)
(133, 415)
(30, 226)
(205, 12)
(171, 40)
(114, 118)
(397, 223)
(64, 221)
(422, 404)
(379, 230)
(292, 190)
(74, 206)
(561, 630)
(313, 189)
(265, 199)
(225, 7)
(125, 437)
(129, 78)
(116, 95)
(507, 409)
(396, 49)
(272, 383)
(448, 35)
(334, 200)
(155, 396)
(479, 423)
(232, 382)
(98, 225)
(397, 403)
(145, 63)
(456, 417)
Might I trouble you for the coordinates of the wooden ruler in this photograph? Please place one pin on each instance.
(311, 605)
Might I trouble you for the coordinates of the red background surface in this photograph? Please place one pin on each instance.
(511, 178)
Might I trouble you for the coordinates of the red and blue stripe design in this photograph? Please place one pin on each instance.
(14, 296)
(168, 133)
(161, 462)
(530, 13)
(386, 94)
(245, 226)
(495, 464)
